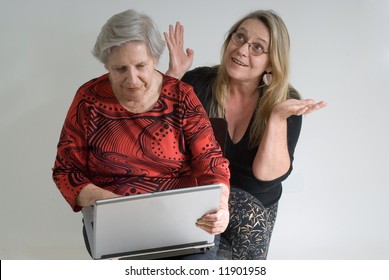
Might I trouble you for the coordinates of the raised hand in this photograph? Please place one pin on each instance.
(179, 60)
(296, 107)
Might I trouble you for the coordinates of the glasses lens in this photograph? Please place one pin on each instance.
(255, 49)
(237, 39)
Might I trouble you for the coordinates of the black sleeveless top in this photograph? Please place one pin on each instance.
(241, 157)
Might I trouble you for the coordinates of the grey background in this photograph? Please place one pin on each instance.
(335, 204)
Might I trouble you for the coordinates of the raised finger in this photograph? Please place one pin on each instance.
(179, 33)
(167, 39)
(171, 32)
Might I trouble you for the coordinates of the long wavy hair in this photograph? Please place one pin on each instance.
(270, 95)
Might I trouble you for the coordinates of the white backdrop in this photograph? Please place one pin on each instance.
(334, 206)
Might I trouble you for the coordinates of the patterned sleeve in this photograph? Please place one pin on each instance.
(209, 165)
(69, 171)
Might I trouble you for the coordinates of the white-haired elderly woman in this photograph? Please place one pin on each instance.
(135, 130)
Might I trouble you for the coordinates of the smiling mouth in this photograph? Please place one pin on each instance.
(239, 62)
(133, 88)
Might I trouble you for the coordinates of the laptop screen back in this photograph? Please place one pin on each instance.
(155, 221)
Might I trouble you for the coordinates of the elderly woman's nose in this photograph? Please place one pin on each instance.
(131, 76)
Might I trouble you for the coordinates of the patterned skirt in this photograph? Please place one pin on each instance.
(248, 234)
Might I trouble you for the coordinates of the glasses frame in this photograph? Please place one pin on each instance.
(238, 43)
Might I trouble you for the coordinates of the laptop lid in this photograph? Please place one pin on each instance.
(149, 226)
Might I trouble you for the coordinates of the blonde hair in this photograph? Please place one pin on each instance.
(270, 95)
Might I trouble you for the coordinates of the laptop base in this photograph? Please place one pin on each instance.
(162, 253)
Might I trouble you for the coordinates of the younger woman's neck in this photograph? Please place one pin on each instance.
(243, 91)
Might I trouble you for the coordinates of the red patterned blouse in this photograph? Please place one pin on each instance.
(171, 146)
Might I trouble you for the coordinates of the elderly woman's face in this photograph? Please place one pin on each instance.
(241, 63)
(131, 71)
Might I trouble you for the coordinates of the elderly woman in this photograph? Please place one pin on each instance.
(250, 89)
(135, 130)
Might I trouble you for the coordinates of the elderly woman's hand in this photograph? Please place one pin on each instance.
(179, 60)
(216, 223)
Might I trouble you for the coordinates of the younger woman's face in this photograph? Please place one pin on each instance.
(241, 63)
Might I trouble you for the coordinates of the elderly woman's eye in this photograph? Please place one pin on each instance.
(141, 66)
(120, 69)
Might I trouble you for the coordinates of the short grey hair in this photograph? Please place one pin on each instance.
(126, 27)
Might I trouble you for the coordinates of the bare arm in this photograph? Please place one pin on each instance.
(272, 159)
(90, 193)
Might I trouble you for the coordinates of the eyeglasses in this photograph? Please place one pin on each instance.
(254, 48)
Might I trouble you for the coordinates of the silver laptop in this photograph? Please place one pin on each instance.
(151, 226)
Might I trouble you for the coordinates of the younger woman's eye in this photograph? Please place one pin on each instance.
(257, 47)
(240, 37)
